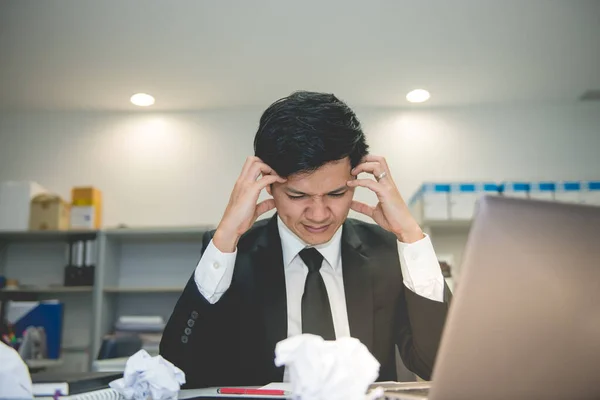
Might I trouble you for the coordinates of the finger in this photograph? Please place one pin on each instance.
(373, 158)
(263, 207)
(367, 183)
(362, 208)
(372, 167)
(266, 180)
(257, 169)
(250, 160)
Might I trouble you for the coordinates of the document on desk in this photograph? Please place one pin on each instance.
(286, 386)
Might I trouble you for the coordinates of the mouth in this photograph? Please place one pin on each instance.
(316, 229)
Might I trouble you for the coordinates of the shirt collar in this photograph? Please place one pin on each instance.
(291, 245)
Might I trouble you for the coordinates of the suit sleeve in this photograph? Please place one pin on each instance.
(419, 328)
(195, 331)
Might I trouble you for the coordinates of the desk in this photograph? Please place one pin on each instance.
(39, 365)
(110, 365)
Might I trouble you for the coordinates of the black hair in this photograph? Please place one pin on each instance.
(305, 130)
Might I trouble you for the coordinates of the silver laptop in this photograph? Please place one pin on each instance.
(525, 320)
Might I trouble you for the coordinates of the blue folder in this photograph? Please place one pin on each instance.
(48, 315)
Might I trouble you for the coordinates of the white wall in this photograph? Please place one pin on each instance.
(178, 168)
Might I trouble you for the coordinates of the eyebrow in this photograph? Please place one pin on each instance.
(294, 191)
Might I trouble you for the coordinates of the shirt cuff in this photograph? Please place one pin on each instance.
(214, 272)
(421, 269)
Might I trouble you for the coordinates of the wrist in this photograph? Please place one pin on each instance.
(411, 235)
(225, 241)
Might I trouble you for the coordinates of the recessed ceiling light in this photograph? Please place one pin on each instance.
(418, 96)
(142, 99)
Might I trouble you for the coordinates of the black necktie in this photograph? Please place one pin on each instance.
(316, 312)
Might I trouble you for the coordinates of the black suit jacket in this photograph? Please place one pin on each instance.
(232, 342)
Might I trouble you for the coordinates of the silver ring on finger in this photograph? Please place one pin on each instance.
(381, 176)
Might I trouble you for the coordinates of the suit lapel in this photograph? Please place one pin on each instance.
(268, 263)
(358, 286)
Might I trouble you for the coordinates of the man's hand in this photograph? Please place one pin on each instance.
(242, 210)
(391, 212)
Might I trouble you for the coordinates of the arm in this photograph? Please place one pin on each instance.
(202, 335)
(423, 307)
(418, 329)
(421, 272)
(423, 304)
(195, 329)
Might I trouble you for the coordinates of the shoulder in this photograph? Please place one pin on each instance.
(256, 233)
(371, 235)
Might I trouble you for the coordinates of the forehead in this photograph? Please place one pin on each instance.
(329, 177)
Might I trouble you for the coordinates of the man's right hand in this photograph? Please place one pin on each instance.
(242, 209)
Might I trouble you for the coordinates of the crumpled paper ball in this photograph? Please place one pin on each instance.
(148, 377)
(327, 370)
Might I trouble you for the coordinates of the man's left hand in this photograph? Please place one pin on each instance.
(391, 212)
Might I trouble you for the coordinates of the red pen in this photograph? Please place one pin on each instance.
(255, 392)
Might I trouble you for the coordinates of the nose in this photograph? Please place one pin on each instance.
(318, 211)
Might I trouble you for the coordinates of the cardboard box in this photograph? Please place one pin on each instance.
(591, 194)
(86, 208)
(49, 212)
(517, 189)
(543, 190)
(15, 204)
(569, 192)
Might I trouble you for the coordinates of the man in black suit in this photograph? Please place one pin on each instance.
(309, 268)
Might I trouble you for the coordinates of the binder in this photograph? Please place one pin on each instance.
(46, 314)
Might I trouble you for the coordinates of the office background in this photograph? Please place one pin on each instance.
(506, 81)
(178, 168)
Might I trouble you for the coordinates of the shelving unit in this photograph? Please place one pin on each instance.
(140, 290)
(139, 271)
(37, 260)
(49, 289)
(144, 271)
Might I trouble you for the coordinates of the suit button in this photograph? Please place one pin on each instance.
(194, 315)
(190, 322)
(216, 265)
(184, 339)
(188, 331)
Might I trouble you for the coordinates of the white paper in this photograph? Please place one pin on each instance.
(334, 370)
(15, 382)
(285, 386)
(149, 377)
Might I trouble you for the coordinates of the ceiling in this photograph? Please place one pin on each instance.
(195, 54)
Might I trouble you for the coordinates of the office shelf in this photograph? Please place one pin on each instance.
(43, 363)
(183, 233)
(142, 271)
(74, 348)
(46, 236)
(174, 289)
(139, 271)
(50, 289)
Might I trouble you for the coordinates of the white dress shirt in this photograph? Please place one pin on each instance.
(420, 270)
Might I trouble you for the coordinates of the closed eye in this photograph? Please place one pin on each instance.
(296, 197)
(336, 194)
